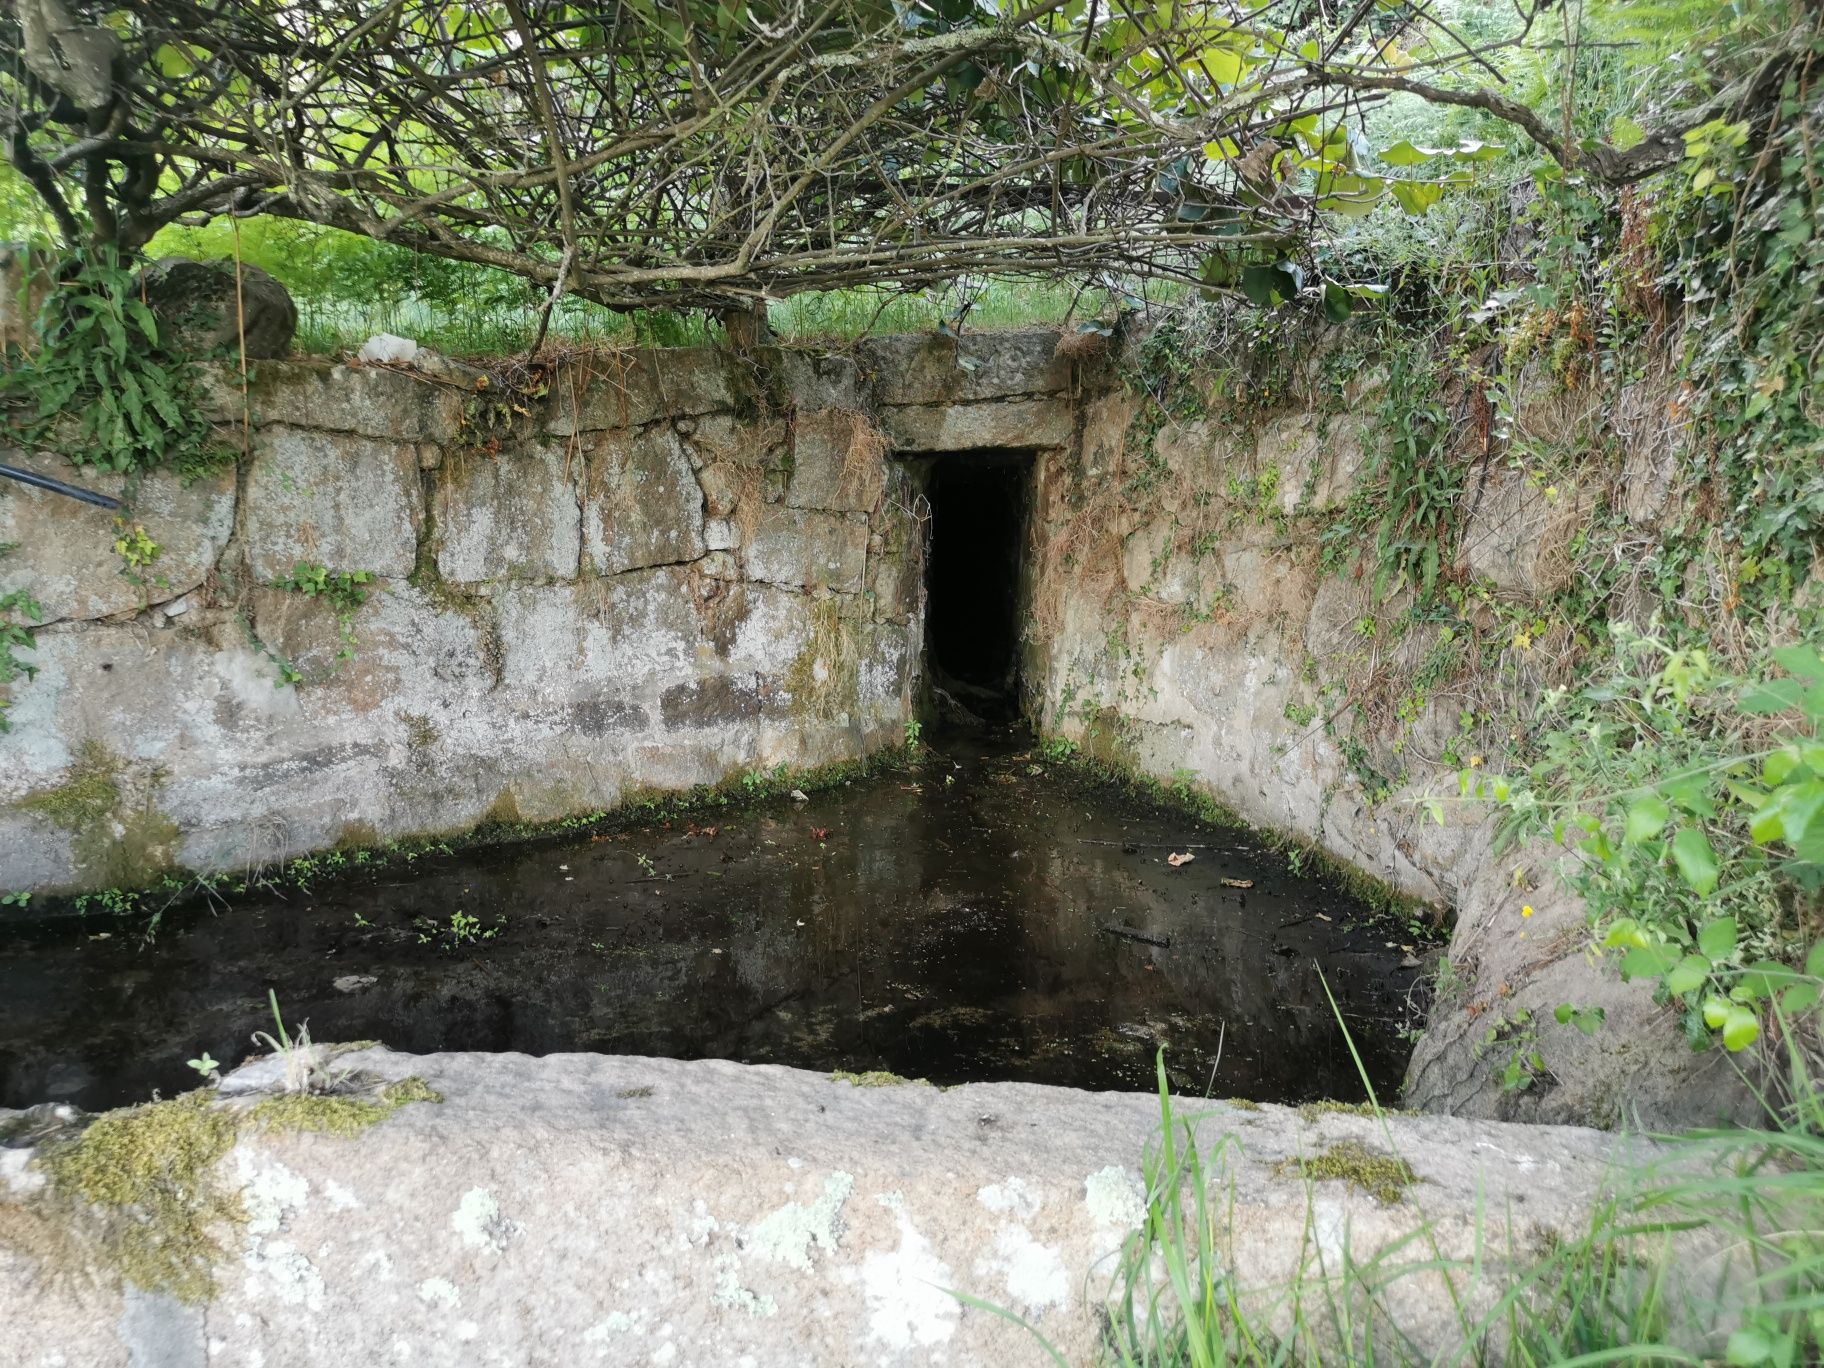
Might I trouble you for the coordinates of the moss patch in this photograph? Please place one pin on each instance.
(1381, 1176)
(877, 1078)
(143, 1201)
(629, 1094)
(1241, 1104)
(420, 732)
(150, 1169)
(1310, 1111)
(87, 797)
(114, 845)
(343, 1116)
(832, 645)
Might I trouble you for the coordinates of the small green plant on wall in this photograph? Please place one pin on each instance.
(136, 550)
(17, 610)
(343, 591)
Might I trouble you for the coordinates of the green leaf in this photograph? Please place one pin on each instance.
(1802, 661)
(1814, 962)
(1646, 819)
(1225, 67)
(1416, 197)
(1775, 696)
(1749, 1348)
(1688, 975)
(1718, 938)
(1766, 826)
(1778, 767)
(1403, 153)
(1799, 805)
(1716, 1012)
(1646, 962)
(1696, 861)
(1798, 997)
(1267, 286)
(1625, 133)
(1740, 1030)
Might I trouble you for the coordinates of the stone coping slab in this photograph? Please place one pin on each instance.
(582, 1209)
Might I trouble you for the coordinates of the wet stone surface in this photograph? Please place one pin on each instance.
(946, 922)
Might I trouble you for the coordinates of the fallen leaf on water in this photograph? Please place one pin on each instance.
(821, 833)
(1322, 917)
(800, 796)
(1175, 860)
(1238, 883)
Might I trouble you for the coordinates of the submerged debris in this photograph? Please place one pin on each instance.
(1144, 937)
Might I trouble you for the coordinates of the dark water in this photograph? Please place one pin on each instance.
(945, 923)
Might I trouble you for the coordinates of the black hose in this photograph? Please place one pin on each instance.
(58, 487)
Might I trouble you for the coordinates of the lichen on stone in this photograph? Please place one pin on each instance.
(339, 1114)
(1382, 1176)
(877, 1078)
(150, 1169)
(787, 1235)
(1115, 1196)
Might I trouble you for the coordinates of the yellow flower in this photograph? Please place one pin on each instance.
(1475, 762)
(1527, 910)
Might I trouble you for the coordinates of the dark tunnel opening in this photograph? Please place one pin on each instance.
(978, 521)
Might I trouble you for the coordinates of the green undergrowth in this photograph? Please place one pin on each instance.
(173, 891)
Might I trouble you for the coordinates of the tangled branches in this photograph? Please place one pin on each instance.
(716, 153)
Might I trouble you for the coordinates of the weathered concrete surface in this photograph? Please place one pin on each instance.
(71, 567)
(586, 1209)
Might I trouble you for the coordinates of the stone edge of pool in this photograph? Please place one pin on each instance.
(594, 1208)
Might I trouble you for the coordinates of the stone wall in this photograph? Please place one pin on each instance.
(675, 567)
(1185, 623)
